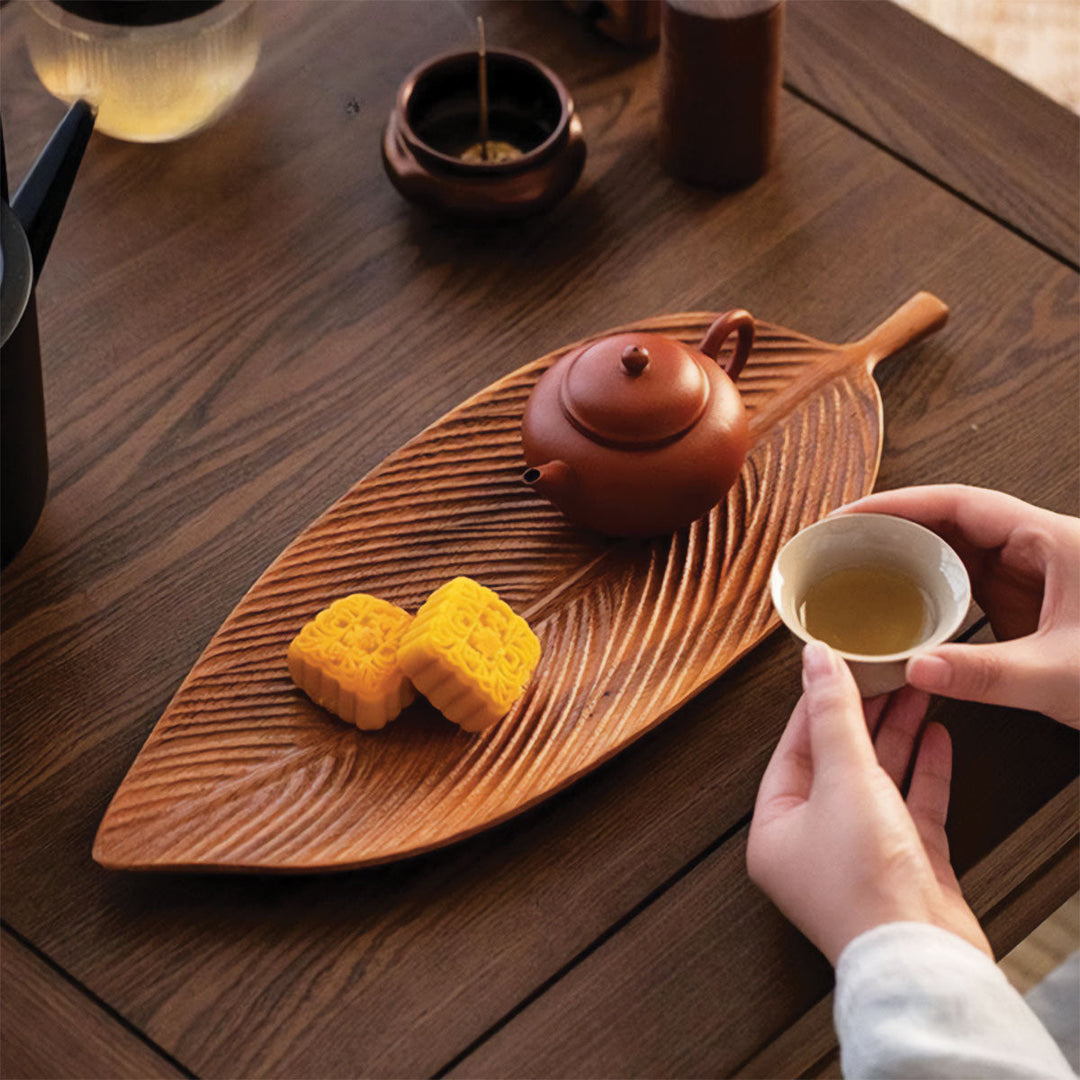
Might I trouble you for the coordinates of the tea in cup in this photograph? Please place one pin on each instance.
(876, 588)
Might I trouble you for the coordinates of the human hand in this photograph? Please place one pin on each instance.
(832, 842)
(1024, 565)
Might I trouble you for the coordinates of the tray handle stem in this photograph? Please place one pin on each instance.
(923, 314)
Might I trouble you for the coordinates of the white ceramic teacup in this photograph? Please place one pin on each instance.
(849, 540)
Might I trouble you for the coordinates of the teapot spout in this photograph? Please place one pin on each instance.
(554, 480)
(40, 200)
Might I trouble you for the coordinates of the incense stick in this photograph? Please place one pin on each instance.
(483, 90)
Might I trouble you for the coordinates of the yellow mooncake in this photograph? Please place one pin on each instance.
(345, 660)
(469, 653)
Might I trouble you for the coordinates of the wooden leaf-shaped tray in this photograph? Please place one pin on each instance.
(243, 772)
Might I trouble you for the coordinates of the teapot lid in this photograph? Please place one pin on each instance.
(634, 390)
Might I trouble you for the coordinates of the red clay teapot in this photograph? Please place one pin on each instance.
(638, 434)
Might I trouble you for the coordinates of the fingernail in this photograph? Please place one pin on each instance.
(818, 662)
(844, 509)
(930, 673)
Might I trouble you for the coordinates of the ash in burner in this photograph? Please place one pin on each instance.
(497, 152)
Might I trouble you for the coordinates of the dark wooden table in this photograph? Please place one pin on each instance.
(236, 327)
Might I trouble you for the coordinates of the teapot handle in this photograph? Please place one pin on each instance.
(718, 333)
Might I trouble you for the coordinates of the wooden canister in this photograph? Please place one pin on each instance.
(720, 73)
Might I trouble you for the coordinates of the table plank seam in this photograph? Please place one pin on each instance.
(839, 118)
(105, 1007)
(583, 954)
(1067, 854)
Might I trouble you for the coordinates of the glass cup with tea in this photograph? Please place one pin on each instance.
(156, 70)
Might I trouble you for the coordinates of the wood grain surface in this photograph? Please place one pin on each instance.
(237, 327)
(1008, 148)
(50, 1028)
(244, 772)
(690, 1016)
(1045, 948)
(1038, 41)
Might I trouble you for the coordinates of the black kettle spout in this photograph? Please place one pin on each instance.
(42, 195)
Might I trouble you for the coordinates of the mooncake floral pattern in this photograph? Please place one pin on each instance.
(345, 659)
(469, 653)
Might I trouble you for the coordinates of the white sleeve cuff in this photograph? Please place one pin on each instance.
(913, 1000)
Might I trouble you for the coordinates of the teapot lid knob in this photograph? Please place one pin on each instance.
(635, 359)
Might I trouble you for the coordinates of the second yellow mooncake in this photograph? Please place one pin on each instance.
(469, 653)
(345, 660)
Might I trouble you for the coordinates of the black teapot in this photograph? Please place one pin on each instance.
(27, 228)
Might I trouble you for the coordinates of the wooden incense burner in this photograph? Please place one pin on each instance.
(638, 434)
